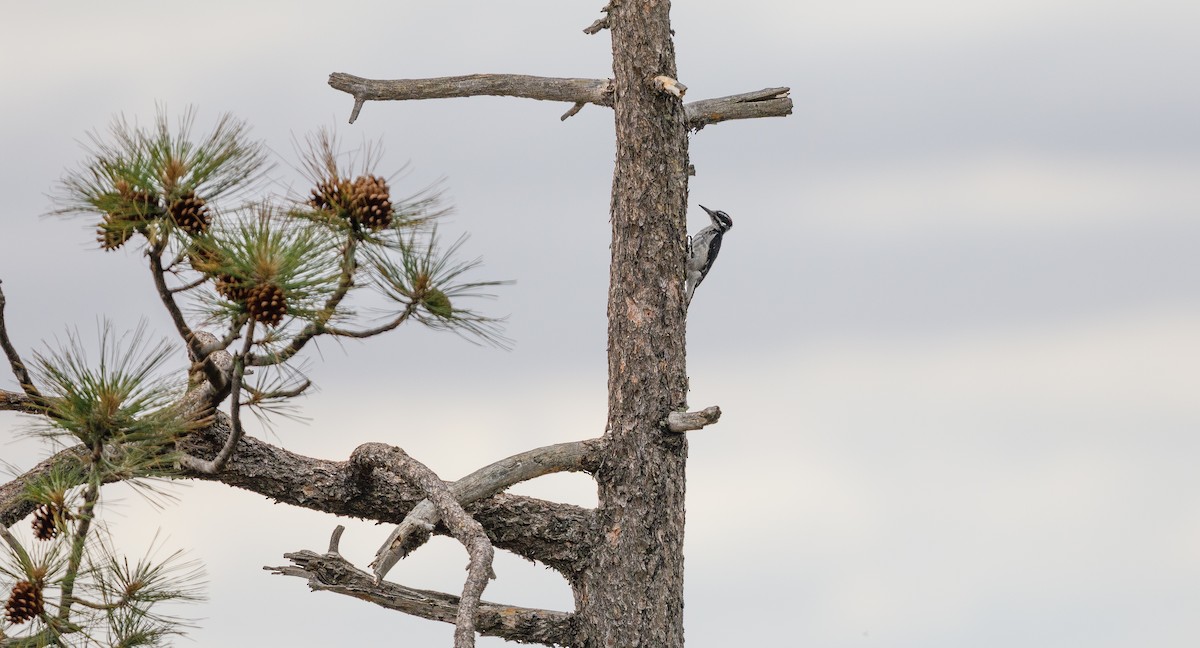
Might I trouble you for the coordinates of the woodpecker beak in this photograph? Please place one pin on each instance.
(711, 214)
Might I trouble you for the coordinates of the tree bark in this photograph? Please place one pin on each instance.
(632, 592)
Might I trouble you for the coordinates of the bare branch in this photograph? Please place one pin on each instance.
(683, 421)
(14, 360)
(483, 483)
(594, 28)
(332, 573)
(601, 23)
(383, 328)
(189, 286)
(464, 528)
(769, 102)
(574, 110)
(335, 538)
(595, 91)
(258, 395)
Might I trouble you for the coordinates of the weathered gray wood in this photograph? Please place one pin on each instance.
(483, 483)
(594, 91)
(330, 572)
(463, 527)
(769, 102)
(684, 421)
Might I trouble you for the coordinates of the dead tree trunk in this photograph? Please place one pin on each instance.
(632, 592)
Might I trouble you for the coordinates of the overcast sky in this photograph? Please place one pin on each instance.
(955, 331)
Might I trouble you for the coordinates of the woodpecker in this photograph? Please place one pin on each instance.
(703, 248)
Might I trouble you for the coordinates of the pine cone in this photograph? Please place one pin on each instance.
(266, 303)
(191, 214)
(372, 204)
(47, 519)
(139, 205)
(130, 211)
(230, 288)
(203, 257)
(113, 232)
(25, 602)
(333, 194)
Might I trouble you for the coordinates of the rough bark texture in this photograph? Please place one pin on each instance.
(632, 593)
(556, 535)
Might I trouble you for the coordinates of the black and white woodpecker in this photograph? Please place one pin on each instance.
(703, 248)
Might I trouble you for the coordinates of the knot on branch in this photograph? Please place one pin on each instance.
(376, 455)
(679, 422)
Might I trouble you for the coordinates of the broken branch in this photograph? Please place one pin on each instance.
(683, 421)
(769, 102)
(331, 573)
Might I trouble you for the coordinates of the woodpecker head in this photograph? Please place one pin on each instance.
(720, 219)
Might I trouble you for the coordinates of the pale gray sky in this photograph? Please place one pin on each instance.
(954, 331)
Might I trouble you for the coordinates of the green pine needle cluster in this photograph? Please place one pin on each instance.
(123, 398)
(158, 182)
(418, 275)
(260, 248)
